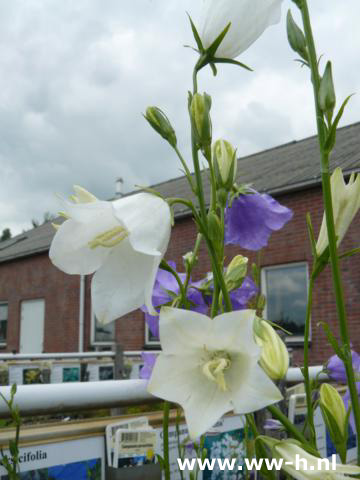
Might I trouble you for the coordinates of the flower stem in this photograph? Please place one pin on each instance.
(176, 276)
(166, 440)
(339, 294)
(294, 432)
(217, 268)
(187, 171)
(262, 451)
(307, 381)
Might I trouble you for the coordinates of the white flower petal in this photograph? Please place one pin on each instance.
(83, 196)
(180, 379)
(90, 212)
(233, 331)
(288, 451)
(147, 218)
(184, 331)
(346, 204)
(249, 19)
(119, 286)
(69, 249)
(251, 389)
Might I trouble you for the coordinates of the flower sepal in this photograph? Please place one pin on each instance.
(336, 418)
(207, 55)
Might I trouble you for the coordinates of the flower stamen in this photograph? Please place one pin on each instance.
(109, 238)
(214, 369)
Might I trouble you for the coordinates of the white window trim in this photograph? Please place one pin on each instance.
(149, 342)
(3, 302)
(289, 339)
(92, 334)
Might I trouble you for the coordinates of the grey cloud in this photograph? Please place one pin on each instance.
(76, 77)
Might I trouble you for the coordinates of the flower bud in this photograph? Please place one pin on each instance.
(225, 163)
(200, 114)
(296, 37)
(159, 121)
(333, 409)
(346, 204)
(327, 97)
(236, 272)
(274, 357)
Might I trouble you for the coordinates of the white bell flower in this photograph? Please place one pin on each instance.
(122, 241)
(249, 19)
(210, 366)
(301, 465)
(346, 203)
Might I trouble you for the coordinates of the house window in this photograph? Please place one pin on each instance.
(102, 334)
(150, 339)
(285, 288)
(3, 321)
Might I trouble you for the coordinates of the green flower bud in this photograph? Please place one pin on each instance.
(236, 272)
(159, 121)
(274, 356)
(333, 408)
(335, 417)
(296, 37)
(200, 114)
(327, 97)
(225, 164)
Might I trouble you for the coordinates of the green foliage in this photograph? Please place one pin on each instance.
(11, 462)
(6, 234)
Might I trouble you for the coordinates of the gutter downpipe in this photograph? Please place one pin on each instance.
(81, 313)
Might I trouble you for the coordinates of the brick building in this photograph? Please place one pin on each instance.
(43, 309)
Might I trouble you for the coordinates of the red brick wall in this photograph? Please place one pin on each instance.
(36, 277)
(290, 245)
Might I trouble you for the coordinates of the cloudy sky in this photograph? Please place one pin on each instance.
(76, 76)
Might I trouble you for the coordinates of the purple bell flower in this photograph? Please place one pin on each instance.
(149, 362)
(164, 284)
(347, 403)
(273, 424)
(242, 295)
(336, 369)
(252, 218)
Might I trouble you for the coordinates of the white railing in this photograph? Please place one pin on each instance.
(67, 397)
(61, 356)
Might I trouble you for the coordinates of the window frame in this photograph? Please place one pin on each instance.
(92, 334)
(289, 339)
(148, 342)
(4, 302)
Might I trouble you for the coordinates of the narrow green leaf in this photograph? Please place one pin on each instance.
(311, 234)
(350, 253)
(196, 35)
(213, 68)
(332, 339)
(232, 62)
(216, 43)
(331, 138)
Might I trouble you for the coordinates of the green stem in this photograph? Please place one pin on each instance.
(194, 254)
(337, 283)
(195, 156)
(176, 276)
(213, 186)
(262, 451)
(215, 301)
(187, 171)
(291, 429)
(218, 273)
(307, 381)
(166, 440)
